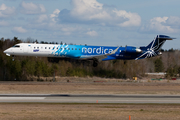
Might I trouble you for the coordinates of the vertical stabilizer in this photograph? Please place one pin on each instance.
(154, 47)
(158, 42)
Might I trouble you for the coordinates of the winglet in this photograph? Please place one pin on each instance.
(100, 57)
(113, 52)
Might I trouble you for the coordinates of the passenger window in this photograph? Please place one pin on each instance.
(75, 48)
(34, 47)
(72, 48)
(64, 48)
(49, 47)
(68, 48)
(45, 47)
(37, 47)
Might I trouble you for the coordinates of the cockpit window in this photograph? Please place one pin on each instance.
(16, 46)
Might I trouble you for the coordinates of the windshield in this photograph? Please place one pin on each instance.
(16, 46)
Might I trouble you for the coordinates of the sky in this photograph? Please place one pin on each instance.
(91, 22)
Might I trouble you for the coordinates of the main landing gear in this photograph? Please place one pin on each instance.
(95, 63)
(53, 60)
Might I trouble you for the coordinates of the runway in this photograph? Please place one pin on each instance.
(67, 98)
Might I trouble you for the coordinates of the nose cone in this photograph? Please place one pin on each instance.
(7, 52)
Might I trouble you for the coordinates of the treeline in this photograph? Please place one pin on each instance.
(26, 68)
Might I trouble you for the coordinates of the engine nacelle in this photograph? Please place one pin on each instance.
(131, 49)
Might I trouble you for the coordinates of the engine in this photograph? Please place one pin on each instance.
(131, 49)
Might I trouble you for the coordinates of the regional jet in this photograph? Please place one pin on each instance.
(95, 53)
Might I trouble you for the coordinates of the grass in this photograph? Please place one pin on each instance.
(30, 111)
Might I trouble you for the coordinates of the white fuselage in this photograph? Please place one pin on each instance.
(26, 49)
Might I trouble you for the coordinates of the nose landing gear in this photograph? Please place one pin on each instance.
(12, 57)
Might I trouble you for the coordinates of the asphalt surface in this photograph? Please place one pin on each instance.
(67, 98)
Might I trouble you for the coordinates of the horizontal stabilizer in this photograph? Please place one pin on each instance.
(165, 37)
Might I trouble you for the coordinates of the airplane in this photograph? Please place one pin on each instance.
(84, 52)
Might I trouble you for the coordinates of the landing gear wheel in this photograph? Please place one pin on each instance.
(13, 58)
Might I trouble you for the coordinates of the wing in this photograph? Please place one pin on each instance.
(98, 57)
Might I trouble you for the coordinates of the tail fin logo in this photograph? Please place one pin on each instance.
(156, 44)
(153, 48)
(147, 54)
